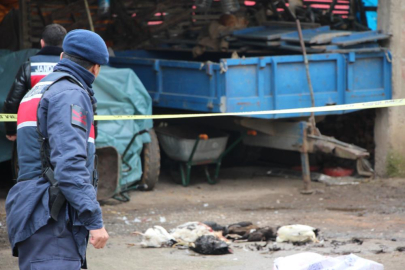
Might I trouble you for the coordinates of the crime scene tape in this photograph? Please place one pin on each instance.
(345, 107)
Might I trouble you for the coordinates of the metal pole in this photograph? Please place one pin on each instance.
(89, 15)
(311, 89)
(306, 172)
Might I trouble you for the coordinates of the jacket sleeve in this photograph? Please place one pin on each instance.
(68, 144)
(18, 90)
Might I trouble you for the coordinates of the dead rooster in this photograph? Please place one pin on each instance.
(211, 245)
(244, 230)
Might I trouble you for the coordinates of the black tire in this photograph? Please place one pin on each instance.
(14, 163)
(151, 162)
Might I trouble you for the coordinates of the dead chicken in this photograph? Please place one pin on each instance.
(156, 237)
(189, 232)
(297, 234)
(211, 245)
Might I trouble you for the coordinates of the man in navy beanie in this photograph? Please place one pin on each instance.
(52, 211)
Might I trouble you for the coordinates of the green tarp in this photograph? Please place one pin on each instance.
(119, 91)
(9, 65)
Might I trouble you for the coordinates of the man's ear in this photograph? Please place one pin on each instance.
(95, 69)
(42, 43)
(61, 55)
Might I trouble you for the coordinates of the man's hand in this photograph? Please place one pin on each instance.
(11, 137)
(98, 238)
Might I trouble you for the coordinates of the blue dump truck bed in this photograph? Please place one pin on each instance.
(261, 83)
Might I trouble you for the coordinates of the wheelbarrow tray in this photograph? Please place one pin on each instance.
(178, 143)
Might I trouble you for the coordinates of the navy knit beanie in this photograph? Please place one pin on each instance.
(87, 45)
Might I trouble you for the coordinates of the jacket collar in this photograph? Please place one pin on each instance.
(85, 77)
(50, 50)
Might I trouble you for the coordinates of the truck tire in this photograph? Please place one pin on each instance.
(151, 162)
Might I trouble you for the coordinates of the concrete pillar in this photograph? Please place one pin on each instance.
(390, 123)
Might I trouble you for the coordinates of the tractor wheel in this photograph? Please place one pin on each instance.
(151, 162)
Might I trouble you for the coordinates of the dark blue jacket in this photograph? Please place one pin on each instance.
(32, 71)
(65, 117)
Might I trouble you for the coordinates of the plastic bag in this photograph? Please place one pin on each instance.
(314, 261)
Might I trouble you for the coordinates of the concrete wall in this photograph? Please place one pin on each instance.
(390, 123)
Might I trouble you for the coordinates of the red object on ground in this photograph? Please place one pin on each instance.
(338, 172)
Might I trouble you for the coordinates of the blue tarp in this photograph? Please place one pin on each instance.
(9, 65)
(119, 91)
(371, 15)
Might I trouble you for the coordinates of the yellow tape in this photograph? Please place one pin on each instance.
(346, 107)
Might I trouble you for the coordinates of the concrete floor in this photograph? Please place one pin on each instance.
(371, 211)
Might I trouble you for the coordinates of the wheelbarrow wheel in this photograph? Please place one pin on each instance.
(151, 162)
(14, 163)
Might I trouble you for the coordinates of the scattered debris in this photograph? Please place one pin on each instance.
(400, 249)
(297, 234)
(357, 241)
(379, 251)
(274, 248)
(162, 219)
(309, 260)
(137, 220)
(211, 245)
(317, 177)
(335, 181)
(345, 252)
(354, 240)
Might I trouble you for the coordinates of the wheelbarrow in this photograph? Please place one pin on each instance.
(193, 146)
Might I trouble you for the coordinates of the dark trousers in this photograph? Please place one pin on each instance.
(51, 247)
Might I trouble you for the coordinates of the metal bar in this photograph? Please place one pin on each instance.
(190, 159)
(89, 15)
(188, 174)
(306, 174)
(182, 175)
(217, 170)
(207, 174)
(311, 89)
(231, 147)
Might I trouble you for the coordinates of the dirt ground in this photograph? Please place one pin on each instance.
(373, 212)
